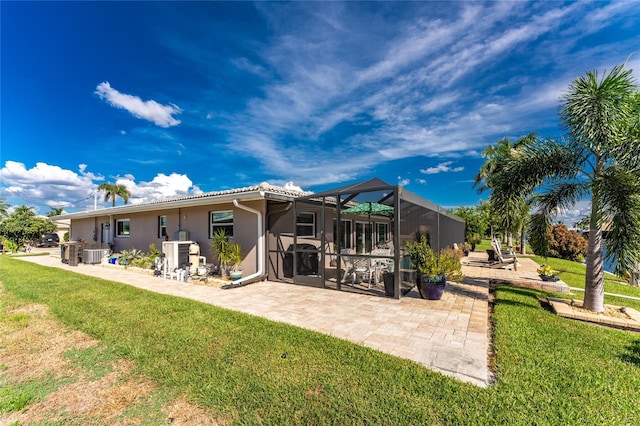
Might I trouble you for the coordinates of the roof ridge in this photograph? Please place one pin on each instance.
(260, 187)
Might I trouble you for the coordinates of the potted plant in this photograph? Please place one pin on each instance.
(234, 258)
(229, 254)
(434, 269)
(473, 240)
(547, 273)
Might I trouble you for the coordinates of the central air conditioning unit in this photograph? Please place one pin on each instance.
(94, 255)
(176, 253)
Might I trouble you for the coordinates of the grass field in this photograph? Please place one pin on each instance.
(549, 370)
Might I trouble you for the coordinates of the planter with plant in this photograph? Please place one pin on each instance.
(234, 257)
(474, 239)
(229, 254)
(547, 273)
(433, 269)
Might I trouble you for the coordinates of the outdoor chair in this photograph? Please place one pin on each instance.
(355, 266)
(503, 261)
(381, 264)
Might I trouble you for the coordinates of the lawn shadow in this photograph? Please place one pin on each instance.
(471, 287)
(522, 291)
(633, 355)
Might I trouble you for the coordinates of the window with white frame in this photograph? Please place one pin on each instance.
(221, 220)
(346, 232)
(122, 228)
(383, 232)
(162, 226)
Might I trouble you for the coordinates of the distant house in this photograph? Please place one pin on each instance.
(285, 235)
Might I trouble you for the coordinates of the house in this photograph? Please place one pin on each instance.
(285, 235)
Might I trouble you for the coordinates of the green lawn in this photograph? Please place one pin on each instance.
(572, 273)
(549, 370)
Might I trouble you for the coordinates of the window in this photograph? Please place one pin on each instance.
(305, 224)
(383, 233)
(122, 228)
(221, 220)
(162, 226)
(364, 236)
(346, 231)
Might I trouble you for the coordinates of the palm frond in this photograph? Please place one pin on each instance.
(621, 198)
(537, 163)
(562, 196)
(594, 111)
(537, 230)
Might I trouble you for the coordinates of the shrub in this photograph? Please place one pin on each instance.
(430, 264)
(154, 253)
(127, 257)
(566, 244)
(10, 246)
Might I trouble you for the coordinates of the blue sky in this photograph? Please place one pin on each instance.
(175, 98)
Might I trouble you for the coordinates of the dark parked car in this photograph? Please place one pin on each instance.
(49, 240)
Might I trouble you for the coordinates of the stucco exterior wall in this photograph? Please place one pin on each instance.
(83, 229)
(144, 229)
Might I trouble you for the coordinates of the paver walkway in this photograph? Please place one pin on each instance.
(449, 335)
(477, 265)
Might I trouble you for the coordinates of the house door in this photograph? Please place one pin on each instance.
(106, 233)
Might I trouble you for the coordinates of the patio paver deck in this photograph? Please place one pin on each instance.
(449, 336)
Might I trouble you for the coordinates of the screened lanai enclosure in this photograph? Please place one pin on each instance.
(353, 238)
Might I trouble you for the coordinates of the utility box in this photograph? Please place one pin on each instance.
(176, 253)
(93, 256)
(71, 253)
(181, 236)
(195, 259)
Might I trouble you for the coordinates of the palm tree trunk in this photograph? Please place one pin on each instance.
(594, 280)
(523, 248)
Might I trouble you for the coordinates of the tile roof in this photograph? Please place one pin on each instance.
(196, 199)
(264, 187)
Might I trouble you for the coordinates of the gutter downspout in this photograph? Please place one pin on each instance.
(260, 272)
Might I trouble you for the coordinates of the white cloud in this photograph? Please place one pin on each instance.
(160, 187)
(52, 186)
(574, 214)
(292, 187)
(42, 173)
(46, 185)
(441, 168)
(161, 115)
(403, 182)
(432, 83)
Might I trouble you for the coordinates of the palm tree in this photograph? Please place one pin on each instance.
(599, 158)
(4, 209)
(509, 213)
(113, 190)
(55, 211)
